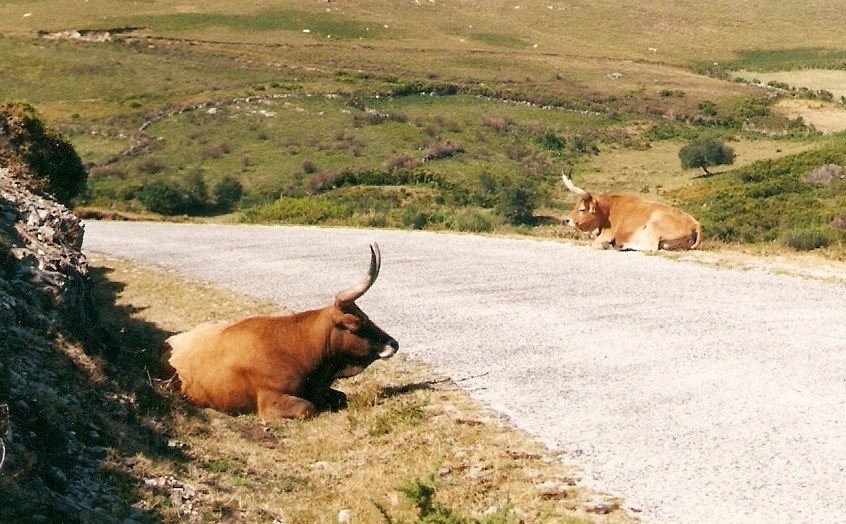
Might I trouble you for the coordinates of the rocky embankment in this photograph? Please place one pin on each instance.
(51, 450)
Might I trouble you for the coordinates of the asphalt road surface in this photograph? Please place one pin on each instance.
(696, 394)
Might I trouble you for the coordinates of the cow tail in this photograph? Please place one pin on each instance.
(698, 233)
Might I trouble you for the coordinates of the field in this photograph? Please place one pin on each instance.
(413, 114)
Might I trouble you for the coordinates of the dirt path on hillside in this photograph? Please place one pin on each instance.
(699, 394)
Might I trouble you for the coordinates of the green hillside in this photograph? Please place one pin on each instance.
(420, 114)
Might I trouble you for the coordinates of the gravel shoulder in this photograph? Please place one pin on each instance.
(696, 391)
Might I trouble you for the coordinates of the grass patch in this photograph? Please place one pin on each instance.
(770, 60)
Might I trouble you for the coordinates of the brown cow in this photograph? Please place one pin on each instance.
(280, 366)
(629, 222)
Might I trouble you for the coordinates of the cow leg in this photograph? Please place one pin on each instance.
(273, 405)
(644, 239)
(604, 240)
(335, 400)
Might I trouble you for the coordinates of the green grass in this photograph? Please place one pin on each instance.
(523, 92)
(788, 59)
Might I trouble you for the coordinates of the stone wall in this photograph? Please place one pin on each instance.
(49, 443)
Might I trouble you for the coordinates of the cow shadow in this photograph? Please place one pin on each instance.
(125, 402)
(84, 403)
(405, 389)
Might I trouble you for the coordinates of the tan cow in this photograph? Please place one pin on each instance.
(629, 222)
(280, 366)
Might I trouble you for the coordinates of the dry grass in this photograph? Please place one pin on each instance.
(826, 117)
(813, 79)
(405, 431)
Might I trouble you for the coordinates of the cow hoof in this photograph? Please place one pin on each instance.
(336, 400)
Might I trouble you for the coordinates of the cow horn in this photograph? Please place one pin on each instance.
(352, 294)
(571, 186)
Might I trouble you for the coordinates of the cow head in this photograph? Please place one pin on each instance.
(587, 215)
(355, 340)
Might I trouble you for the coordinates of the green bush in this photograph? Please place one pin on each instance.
(516, 198)
(53, 163)
(227, 193)
(195, 195)
(807, 239)
(471, 220)
(300, 211)
(161, 197)
(415, 217)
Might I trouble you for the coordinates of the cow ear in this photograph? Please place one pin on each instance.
(347, 322)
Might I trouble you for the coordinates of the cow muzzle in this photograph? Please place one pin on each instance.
(389, 349)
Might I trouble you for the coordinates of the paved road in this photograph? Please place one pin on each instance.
(697, 394)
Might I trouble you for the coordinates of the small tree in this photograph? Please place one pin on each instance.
(705, 152)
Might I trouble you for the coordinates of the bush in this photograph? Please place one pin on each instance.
(825, 175)
(516, 198)
(161, 197)
(195, 195)
(807, 239)
(472, 220)
(150, 166)
(51, 160)
(551, 141)
(300, 211)
(442, 150)
(227, 193)
(499, 124)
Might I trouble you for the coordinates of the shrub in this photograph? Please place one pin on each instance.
(824, 175)
(472, 220)
(227, 193)
(151, 166)
(753, 107)
(161, 197)
(516, 199)
(442, 150)
(107, 171)
(195, 195)
(300, 211)
(807, 239)
(217, 151)
(708, 108)
(415, 218)
(498, 124)
(308, 167)
(551, 141)
(50, 158)
(401, 162)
